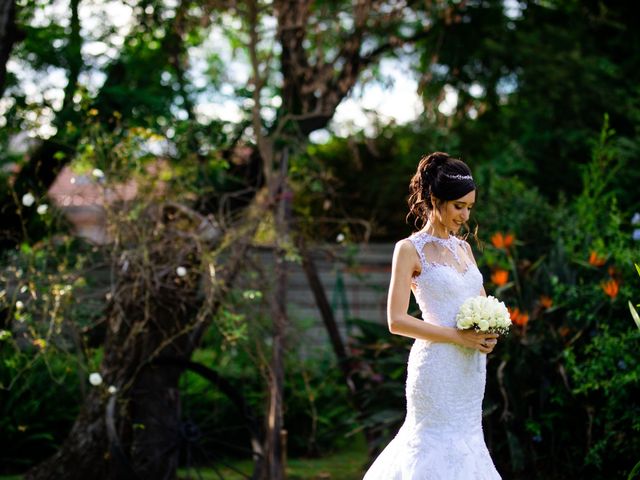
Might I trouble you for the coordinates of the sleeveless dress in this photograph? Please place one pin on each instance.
(441, 437)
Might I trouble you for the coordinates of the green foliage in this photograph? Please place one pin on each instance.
(318, 415)
(358, 185)
(605, 378)
(533, 86)
(568, 372)
(38, 404)
(380, 374)
(49, 311)
(547, 75)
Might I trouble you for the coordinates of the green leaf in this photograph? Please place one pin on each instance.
(637, 267)
(635, 471)
(634, 314)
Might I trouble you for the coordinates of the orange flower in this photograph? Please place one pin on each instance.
(611, 287)
(502, 241)
(500, 277)
(546, 301)
(595, 260)
(613, 272)
(518, 318)
(564, 331)
(498, 240)
(508, 240)
(522, 319)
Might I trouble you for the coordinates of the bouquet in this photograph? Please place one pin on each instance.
(484, 314)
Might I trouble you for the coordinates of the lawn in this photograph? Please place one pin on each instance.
(343, 465)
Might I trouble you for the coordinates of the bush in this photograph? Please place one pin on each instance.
(564, 381)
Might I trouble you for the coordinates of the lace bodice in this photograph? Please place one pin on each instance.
(448, 276)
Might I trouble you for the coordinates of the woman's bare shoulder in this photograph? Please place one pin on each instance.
(405, 247)
(405, 252)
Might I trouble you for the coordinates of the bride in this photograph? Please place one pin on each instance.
(441, 437)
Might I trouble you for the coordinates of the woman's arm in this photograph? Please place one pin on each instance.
(405, 261)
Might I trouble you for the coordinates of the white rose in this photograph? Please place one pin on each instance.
(95, 379)
(42, 209)
(28, 199)
(112, 389)
(484, 325)
(181, 271)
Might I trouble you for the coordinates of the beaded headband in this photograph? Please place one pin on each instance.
(458, 177)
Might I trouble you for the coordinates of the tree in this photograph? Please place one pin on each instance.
(537, 82)
(136, 72)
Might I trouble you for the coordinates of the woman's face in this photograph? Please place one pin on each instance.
(453, 213)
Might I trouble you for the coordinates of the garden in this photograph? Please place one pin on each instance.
(185, 186)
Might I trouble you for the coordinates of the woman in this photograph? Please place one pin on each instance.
(441, 437)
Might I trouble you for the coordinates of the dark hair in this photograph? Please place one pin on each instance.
(438, 174)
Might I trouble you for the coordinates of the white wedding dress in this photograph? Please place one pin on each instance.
(441, 437)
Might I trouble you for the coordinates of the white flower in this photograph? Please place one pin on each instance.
(340, 238)
(97, 173)
(19, 305)
(635, 220)
(486, 313)
(42, 209)
(95, 379)
(28, 199)
(112, 390)
(181, 271)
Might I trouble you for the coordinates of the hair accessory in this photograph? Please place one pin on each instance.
(458, 177)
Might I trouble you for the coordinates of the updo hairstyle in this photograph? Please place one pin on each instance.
(438, 174)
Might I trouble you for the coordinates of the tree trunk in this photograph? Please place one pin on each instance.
(345, 361)
(9, 35)
(85, 453)
(276, 435)
(154, 314)
(329, 320)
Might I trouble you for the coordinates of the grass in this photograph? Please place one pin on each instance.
(342, 465)
(346, 464)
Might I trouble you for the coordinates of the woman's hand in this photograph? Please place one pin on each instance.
(483, 341)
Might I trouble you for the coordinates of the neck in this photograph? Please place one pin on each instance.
(436, 230)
